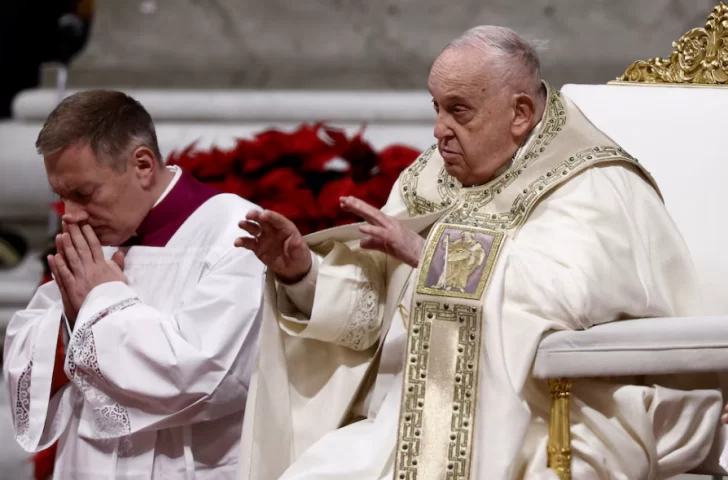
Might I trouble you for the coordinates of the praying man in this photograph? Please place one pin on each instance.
(158, 312)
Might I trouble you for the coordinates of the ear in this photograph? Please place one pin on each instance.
(524, 109)
(145, 165)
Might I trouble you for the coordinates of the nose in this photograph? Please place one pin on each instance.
(74, 213)
(442, 130)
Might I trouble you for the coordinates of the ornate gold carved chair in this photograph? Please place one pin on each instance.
(671, 115)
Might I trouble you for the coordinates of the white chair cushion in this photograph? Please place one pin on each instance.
(650, 346)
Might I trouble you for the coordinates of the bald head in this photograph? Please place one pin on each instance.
(486, 88)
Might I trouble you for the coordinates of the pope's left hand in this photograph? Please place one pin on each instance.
(80, 266)
(385, 233)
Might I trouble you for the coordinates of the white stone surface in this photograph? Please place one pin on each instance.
(220, 106)
(360, 44)
(210, 118)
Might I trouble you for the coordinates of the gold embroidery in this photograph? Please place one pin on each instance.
(417, 204)
(444, 338)
(460, 417)
(463, 251)
(403, 314)
(437, 414)
(473, 208)
(462, 258)
(448, 187)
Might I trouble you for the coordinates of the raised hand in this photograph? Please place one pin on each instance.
(385, 233)
(277, 243)
(80, 266)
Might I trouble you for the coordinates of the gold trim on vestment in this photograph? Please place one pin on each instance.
(440, 385)
(475, 206)
(439, 397)
(474, 212)
(448, 187)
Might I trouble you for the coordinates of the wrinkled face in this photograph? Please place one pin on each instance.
(114, 203)
(479, 119)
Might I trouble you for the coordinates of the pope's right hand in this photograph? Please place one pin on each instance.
(277, 243)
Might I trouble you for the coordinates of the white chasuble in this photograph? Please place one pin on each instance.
(159, 368)
(572, 235)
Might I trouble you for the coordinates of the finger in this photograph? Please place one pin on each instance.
(372, 243)
(362, 209)
(54, 269)
(74, 218)
(251, 227)
(80, 243)
(253, 215)
(64, 227)
(57, 277)
(61, 244)
(724, 418)
(97, 253)
(64, 273)
(377, 232)
(118, 259)
(292, 244)
(74, 262)
(247, 243)
(270, 220)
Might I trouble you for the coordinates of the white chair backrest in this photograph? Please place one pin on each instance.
(678, 134)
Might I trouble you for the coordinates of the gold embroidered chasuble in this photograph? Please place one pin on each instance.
(314, 366)
(439, 398)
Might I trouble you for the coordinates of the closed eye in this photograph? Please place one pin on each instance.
(84, 195)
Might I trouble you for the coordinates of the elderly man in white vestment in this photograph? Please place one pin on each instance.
(158, 311)
(402, 347)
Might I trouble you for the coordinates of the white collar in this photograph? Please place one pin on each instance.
(177, 174)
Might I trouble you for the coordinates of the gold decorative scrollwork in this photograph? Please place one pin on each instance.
(700, 57)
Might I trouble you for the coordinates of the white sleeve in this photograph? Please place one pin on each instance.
(341, 298)
(138, 371)
(28, 362)
(303, 292)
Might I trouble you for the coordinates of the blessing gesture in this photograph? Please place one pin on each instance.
(385, 233)
(280, 246)
(80, 266)
(277, 243)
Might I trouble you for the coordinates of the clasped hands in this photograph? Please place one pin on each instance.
(280, 246)
(79, 266)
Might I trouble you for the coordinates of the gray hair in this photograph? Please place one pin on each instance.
(516, 58)
(111, 122)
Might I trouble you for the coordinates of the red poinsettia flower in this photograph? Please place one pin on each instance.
(395, 158)
(59, 207)
(289, 172)
(330, 195)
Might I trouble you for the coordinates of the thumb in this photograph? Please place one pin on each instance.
(118, 259)
(292, 244)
